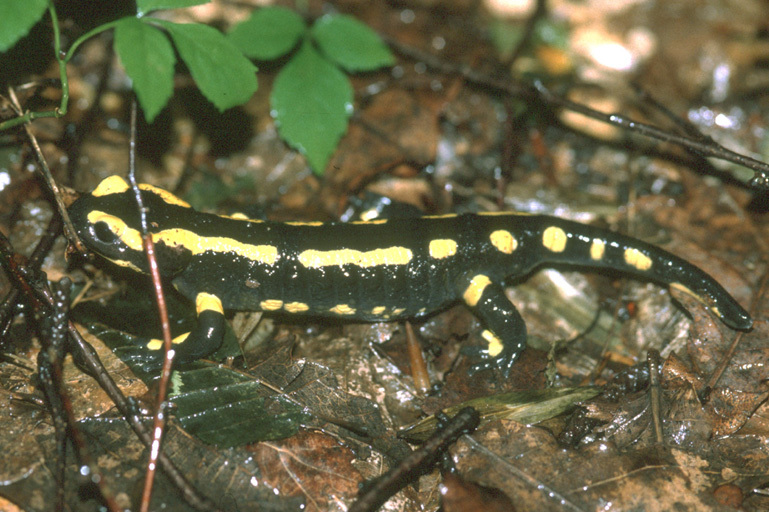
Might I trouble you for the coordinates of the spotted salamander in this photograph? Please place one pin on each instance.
(376, 270)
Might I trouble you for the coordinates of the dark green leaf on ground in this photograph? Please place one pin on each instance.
(227, 408)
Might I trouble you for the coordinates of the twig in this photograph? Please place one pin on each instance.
(158, 426)
(418, 463)
(538, 92)
(69, 228)
(653, 362)
(87, 359)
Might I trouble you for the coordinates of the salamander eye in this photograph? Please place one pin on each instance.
(103, 233)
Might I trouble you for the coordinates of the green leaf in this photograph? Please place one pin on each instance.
(145, 6)
(351, 44)
(227, 408)
(311, 101)
(16, 18)
(553, 33)
(223, 74)
(505, 35)
(148, 58)
(268, 33)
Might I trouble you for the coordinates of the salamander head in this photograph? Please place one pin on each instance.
(107, 221)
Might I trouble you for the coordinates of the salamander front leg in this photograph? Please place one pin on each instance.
(204, 340)
(505, 330)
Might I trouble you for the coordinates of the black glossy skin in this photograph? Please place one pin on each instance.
(409, 290)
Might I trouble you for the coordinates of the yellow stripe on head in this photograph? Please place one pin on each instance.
(177, 237)
(109, 186)
(129, 236)
(165, 195)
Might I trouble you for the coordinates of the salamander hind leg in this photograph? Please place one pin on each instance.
(504, 329)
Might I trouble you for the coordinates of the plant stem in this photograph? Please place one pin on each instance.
(80, 40)
(62, 110)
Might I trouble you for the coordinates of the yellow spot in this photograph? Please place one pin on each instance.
(165, 195)
(495, 346)
(127, 264)
(271, 305)
(342, 309)
(682, 288)
(369, 222)
(311, 223)
(175, 237)
(208, 302)
(398, 311)
(442, 248)
(312, 258)
(705, 301)
(296, 307)
(378, 310)
(637, 259)
(445, 216)
(241, 216)
(156, 344)
(597, 249)
(497, 214)
(196, 244)
(474, 291)
(504, 241)
(554, 238)
(180, 338)
(111, 185)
